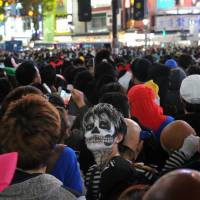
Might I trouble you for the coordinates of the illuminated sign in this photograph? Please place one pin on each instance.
(61, 7)
(64, 24)
(102, 3)
(177, 22)
(165, 4)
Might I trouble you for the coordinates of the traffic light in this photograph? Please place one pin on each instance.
(164, 32)
(2, 17)
(30, 13)
(8, 2)
(84, 10)
(138, 9)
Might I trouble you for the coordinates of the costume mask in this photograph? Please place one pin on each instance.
(102, 124)
(99, 132)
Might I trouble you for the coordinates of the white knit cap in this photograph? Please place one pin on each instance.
(190, 89)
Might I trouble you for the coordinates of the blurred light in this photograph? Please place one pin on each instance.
(6, 4)
(2, 16)
(11, 1)
(172, 12)
(164, 33)
(165, 4)
(139, 5)
(182, 11)
(127, 4)
(69, 18)
(30, 13)
(145, 22)
(195, 11)
(1, 3)
(18, 6)
(31, 44)
(69, 7)
(132, 2)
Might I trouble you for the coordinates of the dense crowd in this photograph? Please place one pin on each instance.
(86, 124)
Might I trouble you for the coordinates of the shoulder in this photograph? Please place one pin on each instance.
(59, 192)
(64, 194)
(118, 164)
(69, 151)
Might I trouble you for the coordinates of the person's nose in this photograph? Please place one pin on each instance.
(95, 130)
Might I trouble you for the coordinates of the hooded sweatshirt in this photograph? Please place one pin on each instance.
(41, 187)
(173, 104)
(143, 106)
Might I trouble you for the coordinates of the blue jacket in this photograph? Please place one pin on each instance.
(67, 170)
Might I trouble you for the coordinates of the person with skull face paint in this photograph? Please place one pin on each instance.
(105, 129)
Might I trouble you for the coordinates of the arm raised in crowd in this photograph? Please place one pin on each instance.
(182, 156)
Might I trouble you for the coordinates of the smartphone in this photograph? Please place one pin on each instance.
(66, 96)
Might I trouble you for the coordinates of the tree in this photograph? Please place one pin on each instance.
(34, 6)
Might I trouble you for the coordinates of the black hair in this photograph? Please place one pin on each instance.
(25, 73)
(140, 68)
(105, 68)
(111, 87)
(102, 54)
(48, 75)
(193, 70)
(115, 116)
(118, 100)
(5, 88)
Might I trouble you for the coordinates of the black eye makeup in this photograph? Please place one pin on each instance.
(104, 125)
(89, 126)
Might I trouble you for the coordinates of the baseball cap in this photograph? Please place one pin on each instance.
(171, 63)
(190, 89)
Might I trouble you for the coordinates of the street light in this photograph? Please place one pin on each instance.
(145, 22)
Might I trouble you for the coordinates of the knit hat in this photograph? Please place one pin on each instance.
(171, 63)
(8, 164)
(190, 89)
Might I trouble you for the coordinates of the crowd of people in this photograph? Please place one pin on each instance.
(86, 124)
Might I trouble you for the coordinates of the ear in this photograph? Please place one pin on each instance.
(119, 137)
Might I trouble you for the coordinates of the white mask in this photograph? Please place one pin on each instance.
(99, 134)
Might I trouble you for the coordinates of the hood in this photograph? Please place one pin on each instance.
(143, 106)
(41, 187)
(175, 78)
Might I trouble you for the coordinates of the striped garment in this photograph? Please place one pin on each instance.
(176, 160)
(93, 178)
(92, 182)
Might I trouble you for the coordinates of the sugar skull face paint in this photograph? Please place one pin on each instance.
(99, 132)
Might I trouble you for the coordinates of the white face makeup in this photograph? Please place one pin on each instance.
(99, 133)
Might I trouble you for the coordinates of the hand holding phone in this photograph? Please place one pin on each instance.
(65, 96)
(78, 97)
